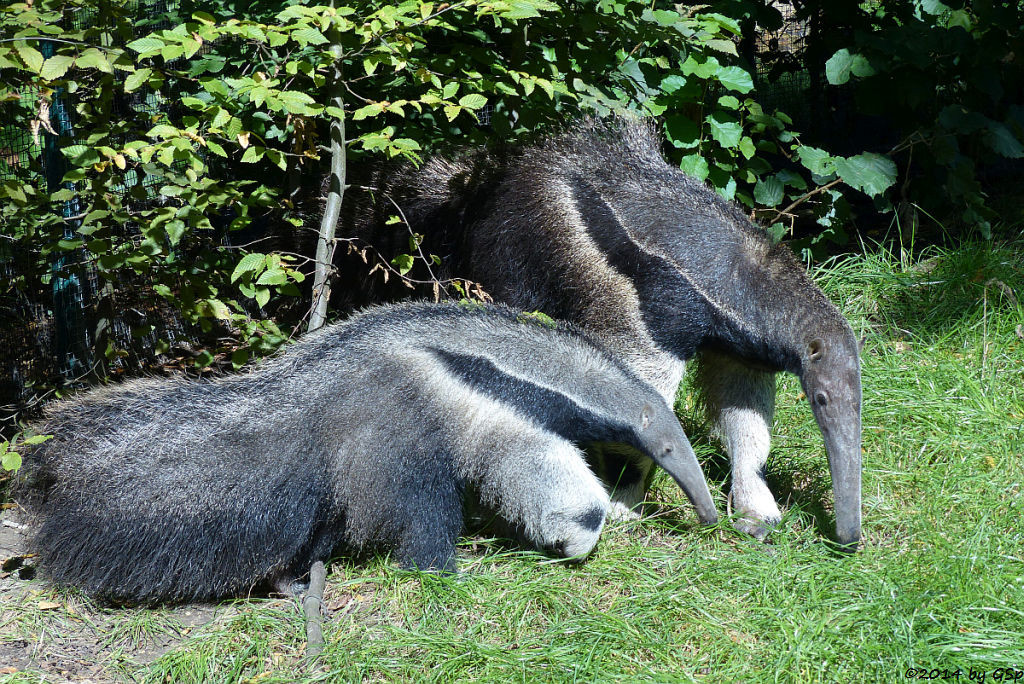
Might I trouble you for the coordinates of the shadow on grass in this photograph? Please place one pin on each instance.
(800, 491)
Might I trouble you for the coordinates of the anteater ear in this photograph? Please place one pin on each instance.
(645, 417)
(815, 349)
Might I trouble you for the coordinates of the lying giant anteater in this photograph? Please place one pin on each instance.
(365, 433)
(594, 227)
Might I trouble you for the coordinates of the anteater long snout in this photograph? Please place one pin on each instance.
(671, 450)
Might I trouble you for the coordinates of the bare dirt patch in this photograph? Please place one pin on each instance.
(61, 635)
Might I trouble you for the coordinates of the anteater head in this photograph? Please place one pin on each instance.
(662, 438)
(830, 375)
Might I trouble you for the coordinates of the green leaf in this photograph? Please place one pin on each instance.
(519, 10)
(33, 58)
(777, 231)
(819, 162)
(403, 262)
(163, 131)
(727, 191)
(729, 102)
(843, 63)
(727, 133)
(136, 79)
(220, 118)
(672, 83)
(56, 66)
(240, 356)
(662, 17)
(37, 439)
(747, 148)
(277, 158)
(14, 191)
(309, 36)
(273, 276)
(250, 263)
(172, 52)
(10, 460)
(262, 296)
(962, 120)
(768, 191)
(705, 69)
(871, 173)
(934, 7)
(1002, 140)
(253, 154)
(367, 111)
(695, 165)
(148, 45)
(298, 103)
(175, 230)
(80, 155)
(721, 45)
(216, 309)
(473, 101)
(216, 148)
(92, 58)
(736, 79)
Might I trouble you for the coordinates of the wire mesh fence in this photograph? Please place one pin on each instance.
(56, 310)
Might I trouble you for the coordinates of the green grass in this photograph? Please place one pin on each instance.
(938, 584)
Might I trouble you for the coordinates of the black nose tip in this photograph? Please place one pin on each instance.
(558, 548)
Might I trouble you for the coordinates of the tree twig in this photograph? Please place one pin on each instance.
(332, 212)
(312, 608)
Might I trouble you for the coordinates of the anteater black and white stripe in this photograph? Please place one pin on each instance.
(594, 227)
(364, 434)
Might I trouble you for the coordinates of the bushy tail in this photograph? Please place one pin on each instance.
(150, 493)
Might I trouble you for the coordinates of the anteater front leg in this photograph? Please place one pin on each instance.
(740, 402)
(427, 513)
(626, 473)
(544, 490)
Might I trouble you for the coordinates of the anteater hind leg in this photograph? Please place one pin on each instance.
(740, 402)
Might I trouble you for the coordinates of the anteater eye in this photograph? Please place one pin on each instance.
(821, 398)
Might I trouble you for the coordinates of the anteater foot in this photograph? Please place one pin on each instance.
(755, 510)
(621, 512)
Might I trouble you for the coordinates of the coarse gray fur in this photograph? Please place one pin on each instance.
(364, 434)
(594, 227)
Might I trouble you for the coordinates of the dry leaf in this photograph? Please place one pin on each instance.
(42, 120)
(47, 605)
(243, 139)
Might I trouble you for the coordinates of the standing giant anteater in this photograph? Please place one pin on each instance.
(594, 227)
(365, 433)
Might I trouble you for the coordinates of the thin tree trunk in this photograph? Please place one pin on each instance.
(312, 608)
(328, 224)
